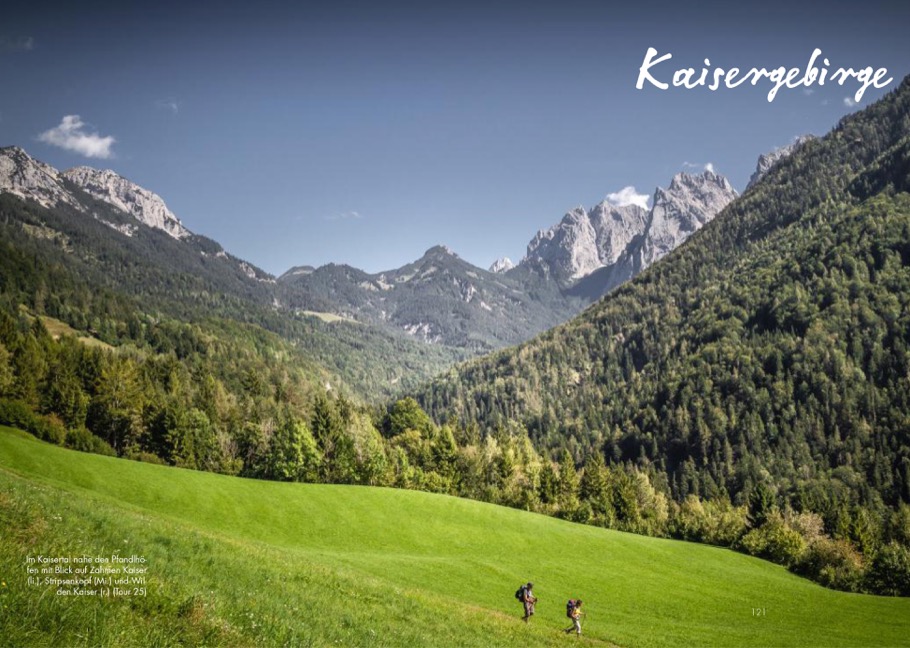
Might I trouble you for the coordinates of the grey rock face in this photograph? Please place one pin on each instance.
(145, 206)
(619, 242)
(586, 240)
(502, 265)
(684, 207)
(26, 177)
(768, 160)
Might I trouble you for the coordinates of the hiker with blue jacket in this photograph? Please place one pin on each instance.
(525, 594)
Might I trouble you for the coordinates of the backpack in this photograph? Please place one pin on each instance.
(570, 608)
(520, 594)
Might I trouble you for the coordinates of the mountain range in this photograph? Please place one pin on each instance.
(108, 198)
(108, 259)
(442, 299)
(439, 299)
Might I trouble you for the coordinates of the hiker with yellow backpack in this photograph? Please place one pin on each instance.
(573, 611)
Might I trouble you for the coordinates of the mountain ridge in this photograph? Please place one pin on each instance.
(145, 206)
(29, 178)
(768, 160)
(439, 298)
(615, 249)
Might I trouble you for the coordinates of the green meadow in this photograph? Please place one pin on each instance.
(242, 562)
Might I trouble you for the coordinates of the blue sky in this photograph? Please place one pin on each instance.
(365, 133)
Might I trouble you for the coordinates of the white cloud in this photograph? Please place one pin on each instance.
(848, 102)
(628, 196)
(20, 44)
(168, 104)
(72, 136)
(808, 92)
(342, 216)
(824, 102)
(709, 166)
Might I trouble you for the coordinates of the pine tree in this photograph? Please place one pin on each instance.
(567, 497)
(761, 504)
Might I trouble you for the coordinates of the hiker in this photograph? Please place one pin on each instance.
(525, 594)
(573, 611)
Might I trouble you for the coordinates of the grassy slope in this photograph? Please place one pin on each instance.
(57, 329)
(328, 317)
(316, 565)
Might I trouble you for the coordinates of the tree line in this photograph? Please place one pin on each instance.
(250, 417)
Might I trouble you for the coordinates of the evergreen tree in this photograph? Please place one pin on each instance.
(285, 460)
(567, 496)
(762, 503)
(116, 406)
(594, 490)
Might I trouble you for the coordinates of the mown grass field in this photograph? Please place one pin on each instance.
(328, 317)
(240, 562)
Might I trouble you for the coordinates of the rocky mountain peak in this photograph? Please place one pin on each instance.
(691, 201)
(768, 160)
(15, 153)
(502, 265)
(585, 240)
(28, 178)
(699, 184)
(439, 251)
(611, 243)
(299, 270)
(145, 206)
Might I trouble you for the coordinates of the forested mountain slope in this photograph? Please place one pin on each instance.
(102, 272)
(773, 347)
(440, 299)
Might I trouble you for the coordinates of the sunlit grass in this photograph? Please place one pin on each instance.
(241, 562)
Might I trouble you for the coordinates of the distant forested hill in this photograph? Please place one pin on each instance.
(69, 265)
